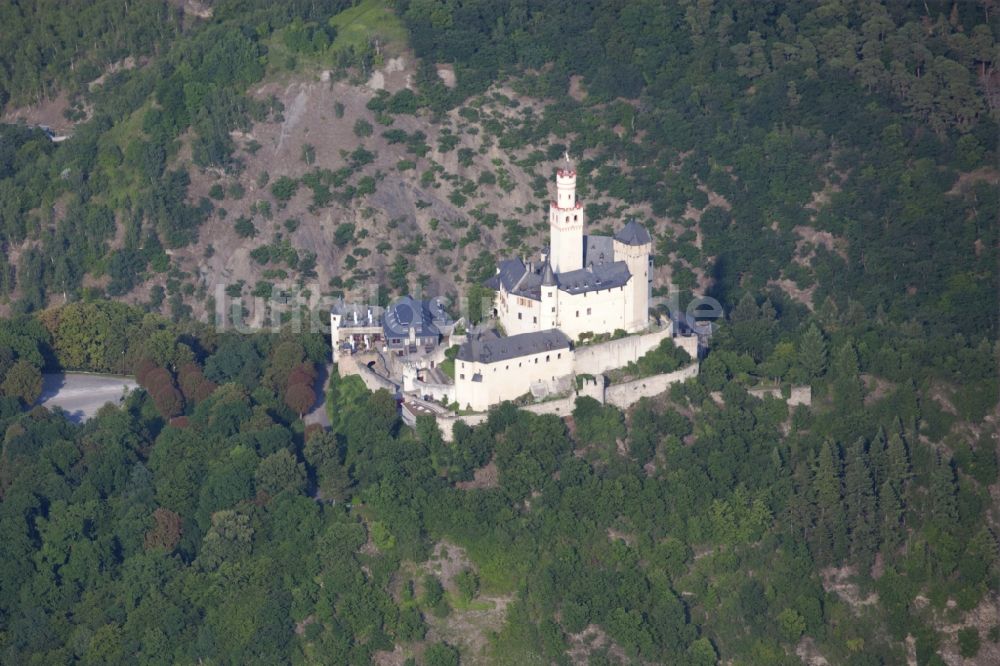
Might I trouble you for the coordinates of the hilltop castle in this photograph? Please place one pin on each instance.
(583, 283)
(583, 286)
(580, 310)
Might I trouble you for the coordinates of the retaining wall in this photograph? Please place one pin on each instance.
(619, 395)
(603, 356)
(373, 381)
(627, 394)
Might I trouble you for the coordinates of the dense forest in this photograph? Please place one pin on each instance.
(850, 148)
(201, 522)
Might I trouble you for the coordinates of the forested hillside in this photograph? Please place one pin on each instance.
(200, 522)
(826, 170)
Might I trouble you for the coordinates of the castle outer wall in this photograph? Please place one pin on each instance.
(620, 395)
(597, 358)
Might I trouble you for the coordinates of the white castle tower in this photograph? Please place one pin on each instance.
(566, 225)
(632, 244)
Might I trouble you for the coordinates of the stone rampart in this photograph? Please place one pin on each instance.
(627, 394)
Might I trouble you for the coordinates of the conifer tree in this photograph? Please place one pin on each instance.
(830, 541)
(746, 309)
(848, 390)
(979, 557)
(877, 457)
(944, 506)
(812, 355)
(828, 312)
(859, 504)
(897, 464)
(801, 511)
(893, 531)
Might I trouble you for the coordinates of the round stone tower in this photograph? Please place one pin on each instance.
(633, 245)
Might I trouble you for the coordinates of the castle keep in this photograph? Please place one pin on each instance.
(583, 283)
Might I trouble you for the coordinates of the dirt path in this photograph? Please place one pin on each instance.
(318, 413)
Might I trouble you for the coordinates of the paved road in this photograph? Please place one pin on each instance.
(81, 395)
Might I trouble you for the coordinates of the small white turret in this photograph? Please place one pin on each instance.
(550, 299)
(566, 188)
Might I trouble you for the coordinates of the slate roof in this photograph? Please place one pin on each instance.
(493, 350)
(406, 312)
(598, 250)
(600, 270)
(517, 280)
(548, 276)
(593, 278)
(508, 274)
(633, 233)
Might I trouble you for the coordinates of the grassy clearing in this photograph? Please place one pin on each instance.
(459, 604)
(355, 26)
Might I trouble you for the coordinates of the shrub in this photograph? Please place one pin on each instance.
(284, 188)
(363, 128)
(467, 583)
(968, 642)
(244, 228)
(440, 654)
(344, 234)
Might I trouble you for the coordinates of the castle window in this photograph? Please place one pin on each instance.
(574, 218)
(547, 359)
(588, 310)
(559, 355)
(518, 315)
(553, 309)
(534, 320)
(536, 361)
(577, 313)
